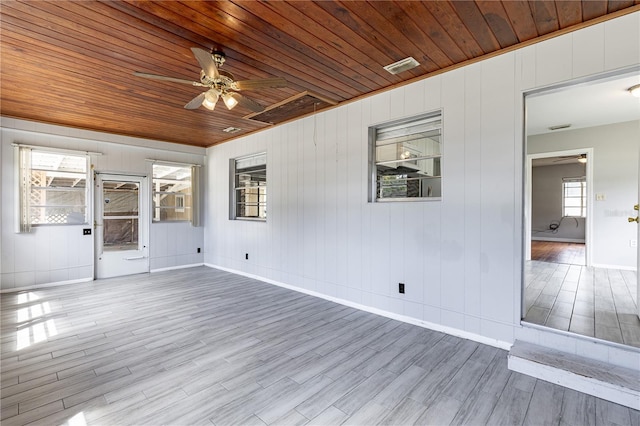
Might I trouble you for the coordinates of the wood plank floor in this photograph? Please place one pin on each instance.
(202, 346)
(593, 302)
(558, 252)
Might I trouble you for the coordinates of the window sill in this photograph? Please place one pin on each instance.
(407, 199)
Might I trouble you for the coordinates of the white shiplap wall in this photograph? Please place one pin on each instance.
(459, 258)
(55, 254)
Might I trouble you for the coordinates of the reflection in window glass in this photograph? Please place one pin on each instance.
(172, 193)
(406, 159)
(121, 202)
(574, 197)
(249, 190)
(58, 188)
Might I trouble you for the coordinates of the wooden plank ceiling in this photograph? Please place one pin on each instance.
(72, 62)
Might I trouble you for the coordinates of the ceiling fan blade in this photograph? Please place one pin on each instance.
(195, 102)
(248, 103)
(263, 83)
(206, 62)
(162, 77)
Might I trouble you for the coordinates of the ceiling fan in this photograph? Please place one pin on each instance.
(221, 83)
(582, 158)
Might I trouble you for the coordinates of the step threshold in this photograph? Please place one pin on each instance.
(610, 382)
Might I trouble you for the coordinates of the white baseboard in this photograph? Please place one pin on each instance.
(410, 320)
(54, 284)
(82, 280)
(172, 268)
(559, 240)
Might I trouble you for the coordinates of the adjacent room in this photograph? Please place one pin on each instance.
(582, 159)
(319, 212)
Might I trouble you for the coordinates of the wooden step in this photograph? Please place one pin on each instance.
(613, 383)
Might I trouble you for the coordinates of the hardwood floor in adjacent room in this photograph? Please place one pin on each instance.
(202, 346)
(558, 252)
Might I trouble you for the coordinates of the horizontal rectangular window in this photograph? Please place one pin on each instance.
(405, 159)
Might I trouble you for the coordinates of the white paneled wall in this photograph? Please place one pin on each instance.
(55, 254)
(460, 258)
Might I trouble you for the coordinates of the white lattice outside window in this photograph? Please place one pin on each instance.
(53, 188)
(173, 193)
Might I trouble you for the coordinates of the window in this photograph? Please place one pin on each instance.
(172, 192)
(574, 197)
(249, 187)
(405, 159)
(53, 188)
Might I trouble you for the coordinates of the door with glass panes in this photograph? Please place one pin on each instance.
(121, 225)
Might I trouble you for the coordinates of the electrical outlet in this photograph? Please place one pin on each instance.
(601, 197)
(401, 288)
(86, 231)
(633, 243)
(246, 256)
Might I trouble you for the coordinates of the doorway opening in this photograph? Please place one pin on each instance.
(122, 230)
(581, 182)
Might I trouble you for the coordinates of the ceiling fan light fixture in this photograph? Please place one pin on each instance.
(635, 90)
(229, 100)
(210, 99)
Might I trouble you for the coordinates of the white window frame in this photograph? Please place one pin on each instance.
(253, 163)
(405, 128)
(583, 195)
(23, 161)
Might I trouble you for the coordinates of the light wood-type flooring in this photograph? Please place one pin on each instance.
(593, 302)
(558, 252)
(202, 346)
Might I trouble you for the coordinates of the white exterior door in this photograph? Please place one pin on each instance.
(122, 225)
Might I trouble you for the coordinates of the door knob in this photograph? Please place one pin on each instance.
(634, 219)
(635, 207)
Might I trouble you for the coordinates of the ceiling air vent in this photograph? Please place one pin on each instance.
(560, 126)
(402, 65)
(231, 130)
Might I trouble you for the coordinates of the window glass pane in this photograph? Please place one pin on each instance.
(58, 188)
(57, 215)
(172, 200)
(58, 162)
(172, 206)
(171, 192)
(573, 211)
(572, 202)
(120, 234)
(407, 159)
(573, 192)
(120, 198)
(574, 198)
(250, 187)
